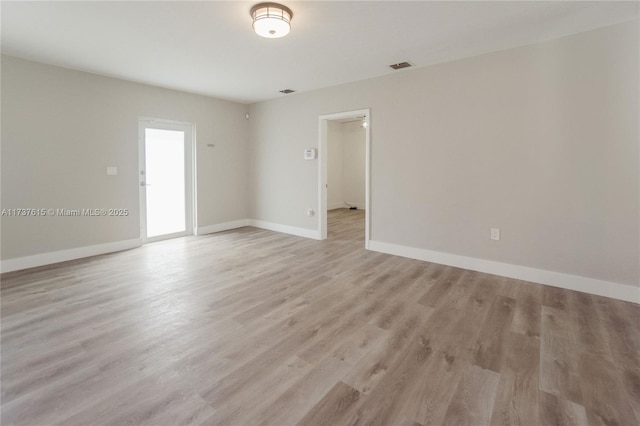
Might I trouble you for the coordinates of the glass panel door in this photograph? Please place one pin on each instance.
(165, 180)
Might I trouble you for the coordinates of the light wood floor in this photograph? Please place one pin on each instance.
(254, 327)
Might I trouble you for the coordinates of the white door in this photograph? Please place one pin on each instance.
(166, 180)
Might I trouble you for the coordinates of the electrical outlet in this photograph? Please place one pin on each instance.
(495, 234)
(112, 171)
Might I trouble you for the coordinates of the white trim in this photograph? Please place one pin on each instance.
(42, 259)
(300, 232)
(360, 206)
(219, 227)
(323, 130)
(345, 205)
(166, 236)
(540, 276)
(367, 182)
(322, 170)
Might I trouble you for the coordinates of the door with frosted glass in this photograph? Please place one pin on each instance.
(165, 180)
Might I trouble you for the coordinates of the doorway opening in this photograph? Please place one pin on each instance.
(344, 170)
(166, 179)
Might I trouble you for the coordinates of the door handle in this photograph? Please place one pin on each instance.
(144, 184)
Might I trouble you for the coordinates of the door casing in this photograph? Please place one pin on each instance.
(322, 169)
(190, 189)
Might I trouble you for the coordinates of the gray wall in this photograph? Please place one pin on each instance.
(353, 164)
(540, 141)
(335, 199)
(346, 151)
(62, 128)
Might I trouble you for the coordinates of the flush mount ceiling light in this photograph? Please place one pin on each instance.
(271, 20)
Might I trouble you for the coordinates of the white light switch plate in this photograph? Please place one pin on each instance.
(112, 171)
(310, 154)
(495, 234)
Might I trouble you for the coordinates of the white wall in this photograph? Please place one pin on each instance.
(353, 164)
(540, 141)
(346, 150)
(62, 128)
(335, 199)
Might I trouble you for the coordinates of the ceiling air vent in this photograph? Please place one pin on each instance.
(400, 65)
(287, 91)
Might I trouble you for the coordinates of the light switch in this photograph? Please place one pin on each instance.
(495, 234)
(310, 154)
(112, 171)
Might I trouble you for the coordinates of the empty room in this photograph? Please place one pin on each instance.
(320, 213)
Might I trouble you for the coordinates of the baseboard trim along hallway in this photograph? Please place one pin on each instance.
(540, 276)
(570, 282)
(42, 259)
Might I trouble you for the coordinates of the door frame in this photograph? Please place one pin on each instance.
(322, 170)
(189, 130)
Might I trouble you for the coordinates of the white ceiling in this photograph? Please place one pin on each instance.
(208, 47)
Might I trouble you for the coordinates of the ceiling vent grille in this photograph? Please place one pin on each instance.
(287, 91)
(400, 65)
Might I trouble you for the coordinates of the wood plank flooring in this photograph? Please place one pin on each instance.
(252, 327)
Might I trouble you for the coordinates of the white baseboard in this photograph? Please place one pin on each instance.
(360, 206)
(300, 232)
(541, 276)
(334, 206)
(210, 229)
(345, 205)
(42, 259)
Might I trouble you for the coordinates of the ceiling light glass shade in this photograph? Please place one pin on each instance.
(271, 20)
